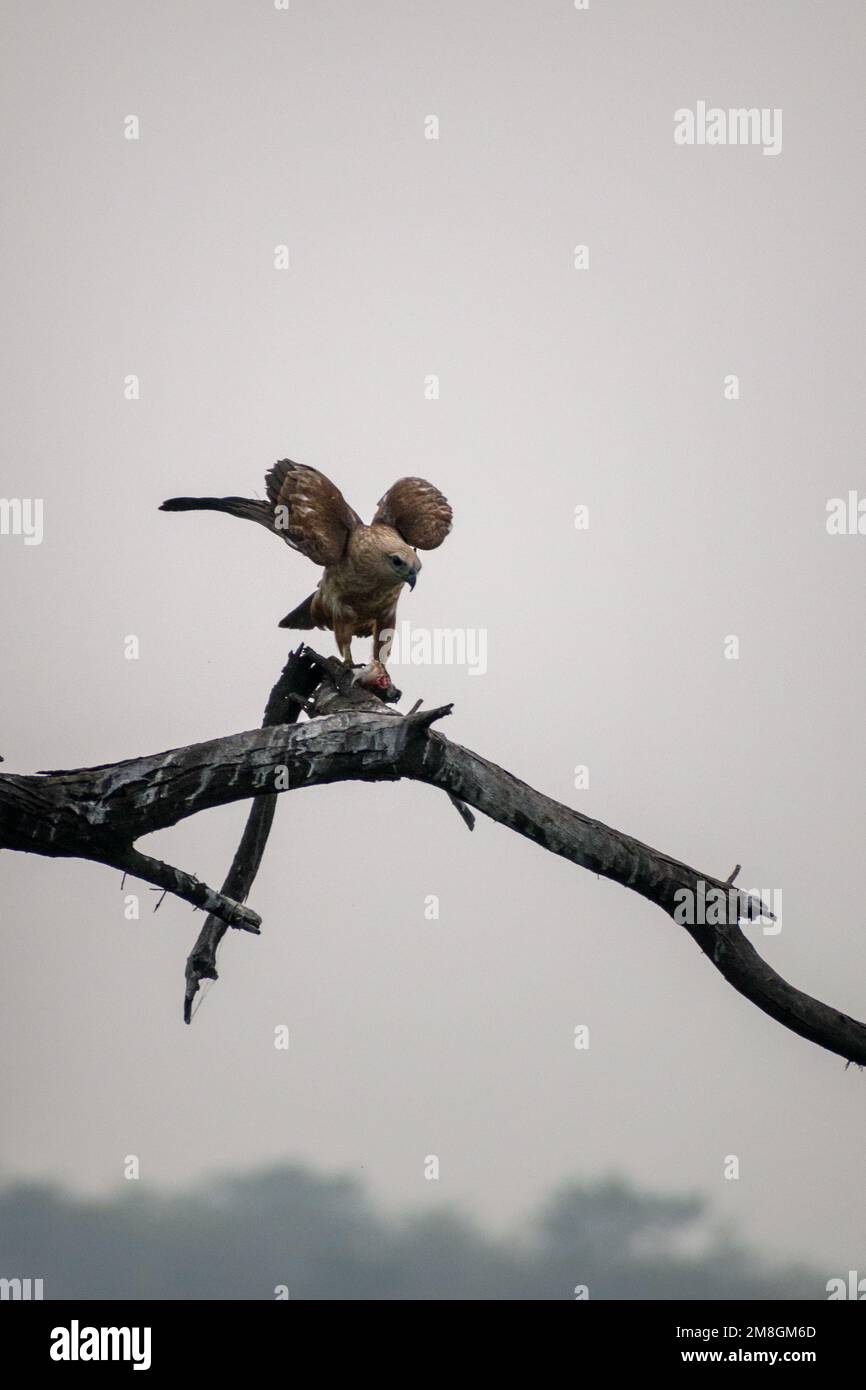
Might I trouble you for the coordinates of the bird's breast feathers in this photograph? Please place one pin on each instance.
(343, 596)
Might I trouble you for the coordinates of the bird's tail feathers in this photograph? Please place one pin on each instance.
(248, 508)
(302, 616)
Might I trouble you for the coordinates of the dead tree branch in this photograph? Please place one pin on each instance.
(297, 682)
(97, 813)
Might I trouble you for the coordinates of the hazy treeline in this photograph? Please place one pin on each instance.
(321, 1237)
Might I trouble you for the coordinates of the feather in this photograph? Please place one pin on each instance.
(418, 511)
(310, 512)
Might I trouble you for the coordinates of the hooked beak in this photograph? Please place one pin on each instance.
(411, 578)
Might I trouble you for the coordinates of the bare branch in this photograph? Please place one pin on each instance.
(297, 681)
(96, 813)
(191, 889)
(462, 810)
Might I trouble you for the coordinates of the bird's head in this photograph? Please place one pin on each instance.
(396, 560)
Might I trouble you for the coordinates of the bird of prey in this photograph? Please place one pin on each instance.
(364, 567)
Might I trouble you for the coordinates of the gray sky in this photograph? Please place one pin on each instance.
(557, 387)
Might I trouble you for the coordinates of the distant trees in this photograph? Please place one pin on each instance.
(311, 1236)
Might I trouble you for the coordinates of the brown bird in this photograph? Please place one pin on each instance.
(365, 567)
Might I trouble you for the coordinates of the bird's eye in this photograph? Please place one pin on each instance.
(396, 561)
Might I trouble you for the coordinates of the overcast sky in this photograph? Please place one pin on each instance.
(605, 387)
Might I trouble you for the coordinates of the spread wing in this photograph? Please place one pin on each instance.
(418, 511)
(310, 512)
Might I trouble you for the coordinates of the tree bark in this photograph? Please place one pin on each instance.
(97, 813)
(297, 682)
